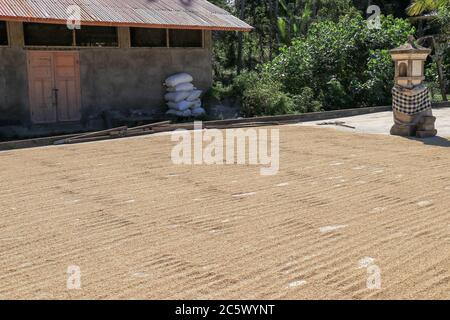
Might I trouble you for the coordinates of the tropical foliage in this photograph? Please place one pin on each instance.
(419, 7)
(307, 55)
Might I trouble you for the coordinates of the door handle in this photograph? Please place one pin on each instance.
(55, 97)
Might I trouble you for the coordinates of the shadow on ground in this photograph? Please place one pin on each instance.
(435, 141)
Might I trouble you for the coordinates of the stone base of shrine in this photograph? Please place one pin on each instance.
(421, 125)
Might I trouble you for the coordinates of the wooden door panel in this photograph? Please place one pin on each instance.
(44, 110)
(67, 83)
(40, 72)
(65, 72)
(67, 103)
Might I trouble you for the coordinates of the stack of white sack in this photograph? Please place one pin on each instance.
(182, 98)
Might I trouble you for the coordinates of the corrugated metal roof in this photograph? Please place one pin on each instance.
(186, 14)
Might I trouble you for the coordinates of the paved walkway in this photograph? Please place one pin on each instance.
(381, 123)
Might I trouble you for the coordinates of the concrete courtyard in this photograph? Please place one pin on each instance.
(381, 123)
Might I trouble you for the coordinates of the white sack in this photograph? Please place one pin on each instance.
(187, 113)
(196, 104)
(198, 112)
(178, 78)
(177, 96)
(182, 87)
(194, 95)
(180, 106)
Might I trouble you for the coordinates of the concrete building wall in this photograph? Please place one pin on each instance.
(111, 78)
(13, 87)
(127, 78)
(14, 108)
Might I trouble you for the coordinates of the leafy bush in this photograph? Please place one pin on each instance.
(376, 90)
(261, 95)
(248, 80)
(345, 63)
(264, 100)
(305, 101)
(218, 92)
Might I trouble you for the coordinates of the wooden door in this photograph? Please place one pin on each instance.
(41, 87)
(54, 85)
(67, 85)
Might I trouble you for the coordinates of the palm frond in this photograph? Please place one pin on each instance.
(419, 7)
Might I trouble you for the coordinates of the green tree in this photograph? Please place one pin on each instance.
(440, 41)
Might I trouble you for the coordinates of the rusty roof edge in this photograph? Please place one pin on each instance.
(247, 28)
(200, 15)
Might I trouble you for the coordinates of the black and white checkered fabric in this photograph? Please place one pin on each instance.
(410, 104)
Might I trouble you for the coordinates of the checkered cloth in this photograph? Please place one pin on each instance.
(409, 101)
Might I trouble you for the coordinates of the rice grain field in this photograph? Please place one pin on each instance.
(342, 207)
